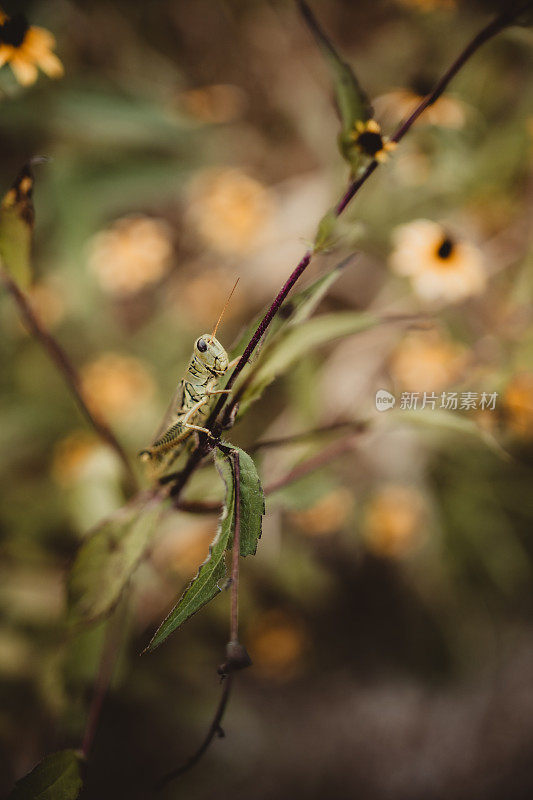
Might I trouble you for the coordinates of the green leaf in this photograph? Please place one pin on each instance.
(296, 342)
(252, 500)
(446, 421)
(16, 227)
(56, 777)
(108, 558)
(298, 307)
(205, 586)
(352, 102)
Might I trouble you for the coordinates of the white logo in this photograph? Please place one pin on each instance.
(384, 400)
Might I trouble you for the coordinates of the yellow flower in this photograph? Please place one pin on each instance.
(71, 455)
(26, 47)
(219, 103)
(328, 515)
(427, 361)
(200, 296)
(116, 385)
(369, 140)
(394, 520)
(132, 253)
(229, 210)
(439, 266)
(518, 404)
(277, 645)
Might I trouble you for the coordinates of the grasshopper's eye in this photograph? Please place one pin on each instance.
(201, 345)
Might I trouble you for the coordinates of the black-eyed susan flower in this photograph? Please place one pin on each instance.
(27, 48)
(134, 252)
(439, 266)
(427, 361)
(229, 210)
(518, 404)
(394, 521)
(368, 139)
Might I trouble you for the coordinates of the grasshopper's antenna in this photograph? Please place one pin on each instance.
(225, 307)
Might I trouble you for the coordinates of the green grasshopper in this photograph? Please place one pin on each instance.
(192, 401)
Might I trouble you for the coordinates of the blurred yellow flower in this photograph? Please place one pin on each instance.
(48, 303)
(427, 361)
(71, 455)
(394, 520)
(446, 112)
(218, 103)
(116, 385)
(229, 210)
(201, 297)
(277, 644)
(370, 142)
(328, 515)
(183, 550)
(439, 267)
(518, 404)
(26, 48)
(132, 253)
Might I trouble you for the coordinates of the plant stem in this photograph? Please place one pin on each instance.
(214, 730)
(66, 368)
(108, 659)
(489, 31)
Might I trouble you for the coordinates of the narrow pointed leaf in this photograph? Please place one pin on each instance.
(207, 583)
(298, 307)
(17, 218)
(352, 102)
(109, 556)
(296, 342)
(56, 777)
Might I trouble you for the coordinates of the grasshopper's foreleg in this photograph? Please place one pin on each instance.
(185, 420)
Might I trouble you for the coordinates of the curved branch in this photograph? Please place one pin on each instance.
(67, 369)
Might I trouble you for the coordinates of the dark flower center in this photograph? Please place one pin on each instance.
(445, 249)
(370, 143)
(14, 30)
(422, 85)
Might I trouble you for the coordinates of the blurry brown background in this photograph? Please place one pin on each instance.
(388, 611)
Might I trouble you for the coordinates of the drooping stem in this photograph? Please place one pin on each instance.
(215, 729)
(67, 369)
(108, 660)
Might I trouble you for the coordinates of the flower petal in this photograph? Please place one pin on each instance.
(25, 72)
(51, 65)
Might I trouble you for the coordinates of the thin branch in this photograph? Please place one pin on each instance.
(108, 660)
(304, 468)
(302, 437)
(215, 729)
(64, 365)
(311, 464)
(488, 32)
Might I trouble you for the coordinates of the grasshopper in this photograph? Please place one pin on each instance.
(192, 401)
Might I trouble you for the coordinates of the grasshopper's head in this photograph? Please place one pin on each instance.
(210, 352)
